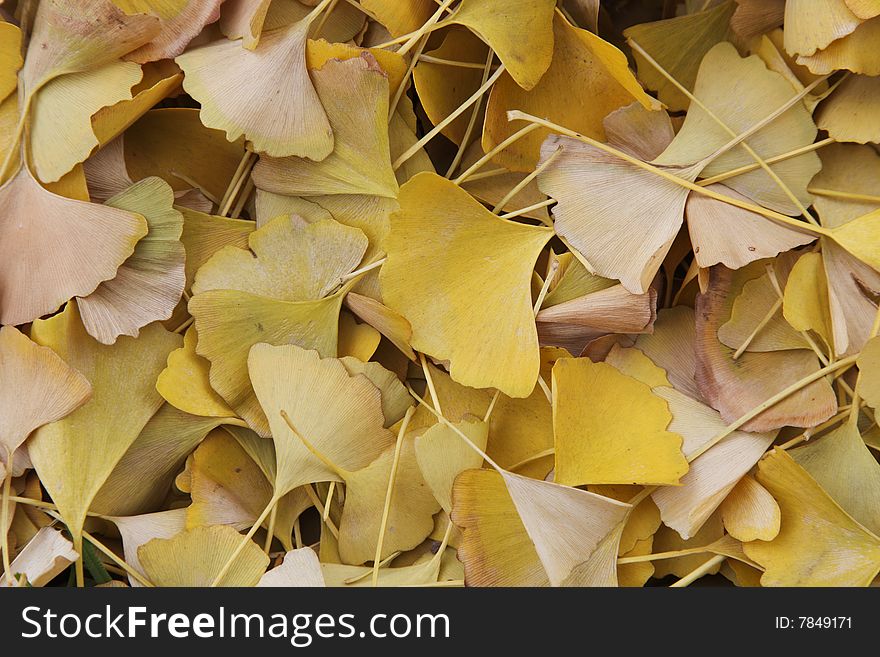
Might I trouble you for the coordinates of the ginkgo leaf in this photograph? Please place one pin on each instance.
(806, 305)
(811, 26)
(508, 539)
(354, 94)
(760, 93)
(608, 225)
(634, 363)
(671, 347)
(850, 113)
(443, 323)
(712, 475)
(75, 455)
(149, 284)
(837, 461)
(71, 36)
(519, 31)
(274, 294)
(395, 398)
(442, 456)
(854, 52)
(73, 245)
(177, 28)
(818, 544)
(443, 88)
(319, 52)
(641, 132)
(300, 568)
(268, 206)
(750, 513)
(389, 323)
(735, 387)
(276, 108)
(185, 383)
(36, 387)
(45, 556)
(411, 508)
(195, 557)
(587, 79)
(136, 530)
(753, 18)
(205, 234)
(623, 441)
(10, 58)
(678, 44)
(869, 372)
(435, 569)
(141, 479)
(723, 233)
(338, 414)
(172, 143)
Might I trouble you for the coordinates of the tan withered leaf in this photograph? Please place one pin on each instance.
(55, 248)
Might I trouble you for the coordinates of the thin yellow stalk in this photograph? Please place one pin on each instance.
(522, 184)
(526, 210)
(479, 164)
(430, 59)
(760, 326)
(475, 112)
(253, 530)
(401, 88)
(412, 150)
(657, 556)
(320, 26)
(746, 168)
(134, 574)
(430, 25)
(234, 183)
(327, 502)
(550, 451)
(699, 572)
(270, 530)
(430, 381)
(313, 496)
(845, 196)
(856, 400)
(389, 492)
(4, 519)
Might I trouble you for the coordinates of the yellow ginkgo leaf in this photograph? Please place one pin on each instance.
(860, 238)
(75, 455)
(864, 9)
(319, 52)
(10, 58)
(265, 94)
(869, 372)
(441, 567)
(844, 467)
(274, 294)
(185, 384)
(389, 323)
(850, 112)
(623, 440)
(735, 387)
(818, 544)
(195, 557)
(750, 513)
(678, 44)
(338, 414)
(354, 94)
(527, 532)
(854, 52)
(442, 456)
(811, 25)
(572, 281)
(607, 225)
(173, 144)
(72, 245)
(149, 284)
(519, 31)
(634, 363)
(299, 568)
(205, 234)
(268, 206)
(356, 340)
(723, 233)
(160, 80)
(342, 23)
(71, 36)
(486, 263)
(805, 305)
(395, 398)
(588, 78)
(141, 479)
(180, 22)
(638, 573)
(761, 92)
(671, 347)
(443, 88)
(411, 508)
(400, 16)
(36, 387)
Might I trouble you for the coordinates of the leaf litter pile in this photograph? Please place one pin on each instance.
(439, 292)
